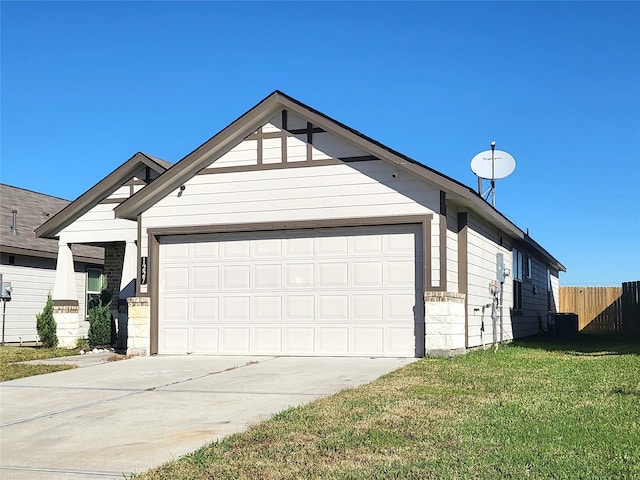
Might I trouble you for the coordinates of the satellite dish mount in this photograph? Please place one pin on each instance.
(491, 165)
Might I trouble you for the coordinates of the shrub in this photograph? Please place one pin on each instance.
(99, 326)
(46, 325)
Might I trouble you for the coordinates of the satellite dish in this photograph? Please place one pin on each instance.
(491, 165)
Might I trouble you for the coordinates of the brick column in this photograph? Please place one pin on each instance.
(444, 323)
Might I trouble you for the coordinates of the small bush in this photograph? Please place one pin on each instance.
(99, 326)
(46, 325)
(83, 344)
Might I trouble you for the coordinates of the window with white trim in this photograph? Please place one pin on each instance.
(94, 286)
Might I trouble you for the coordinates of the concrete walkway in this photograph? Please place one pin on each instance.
(115, 418)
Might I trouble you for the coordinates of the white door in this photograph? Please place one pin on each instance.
(334, 291)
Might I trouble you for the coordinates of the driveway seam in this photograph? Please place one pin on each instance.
(129, 393)
(65, 471)
(69, 409)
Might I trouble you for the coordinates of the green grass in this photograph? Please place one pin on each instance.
(9, 355)
(533, 409)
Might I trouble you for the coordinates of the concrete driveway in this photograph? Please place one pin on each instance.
(121, 417)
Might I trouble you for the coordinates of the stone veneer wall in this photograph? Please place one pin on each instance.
(67, 328)
(444, 319)
(139, 326)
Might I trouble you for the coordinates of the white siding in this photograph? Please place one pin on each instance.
(362, 189)
(246, 153)
(99, 225)
(325, 146)
(121, 193)
(32, 280)
(483, 245)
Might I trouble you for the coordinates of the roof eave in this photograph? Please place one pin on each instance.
(193, 162)
(52, 227)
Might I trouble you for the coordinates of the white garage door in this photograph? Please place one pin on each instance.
(335, 291)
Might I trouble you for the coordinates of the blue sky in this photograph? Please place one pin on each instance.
(85, 85)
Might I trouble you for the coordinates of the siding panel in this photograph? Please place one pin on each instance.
(31, 284)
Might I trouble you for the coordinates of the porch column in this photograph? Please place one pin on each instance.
(65, 298)
(127, 290)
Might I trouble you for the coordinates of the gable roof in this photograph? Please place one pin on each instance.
(99, 192)
(32, 208)
(277, 101)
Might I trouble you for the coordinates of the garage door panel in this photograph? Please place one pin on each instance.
(333, 275)
(176, 279)
(333, 340)
(174, 340)
(268, 276)
(233, 249)
(368, 340)
(236, 340)
(175, 309)
(368, 307)
(205, 309)
(300, 307)
(205, 340)
(174, 251)
(401, 307)
(299, 247)
(300, 275)
(205, 277)
(345, 291)
(333, 307)
(401, 274)
(268, 308)
(399, 340)
(368, 274)
(338, 245)
(205, 251)
(267, 339)
(367, 245)
(269, 248)
(299, 340)
(400, 243)
(236, 277)
(236, 308)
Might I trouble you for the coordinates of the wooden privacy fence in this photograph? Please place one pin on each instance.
(604, 309)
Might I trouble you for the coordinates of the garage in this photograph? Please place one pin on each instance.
(353, 291)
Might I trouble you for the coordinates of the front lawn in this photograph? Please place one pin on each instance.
(533, 409)
(9, 355)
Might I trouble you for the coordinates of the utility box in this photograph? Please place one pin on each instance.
(5, 289)
(566, 324)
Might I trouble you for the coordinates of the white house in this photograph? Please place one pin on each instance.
(29, 263)
(289, 233)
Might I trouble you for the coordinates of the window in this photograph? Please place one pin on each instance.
(94, 286)
(518, 271)
(527, 267)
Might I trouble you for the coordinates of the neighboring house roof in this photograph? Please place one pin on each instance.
(32, 209)
(249, 122)
(99, 192)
